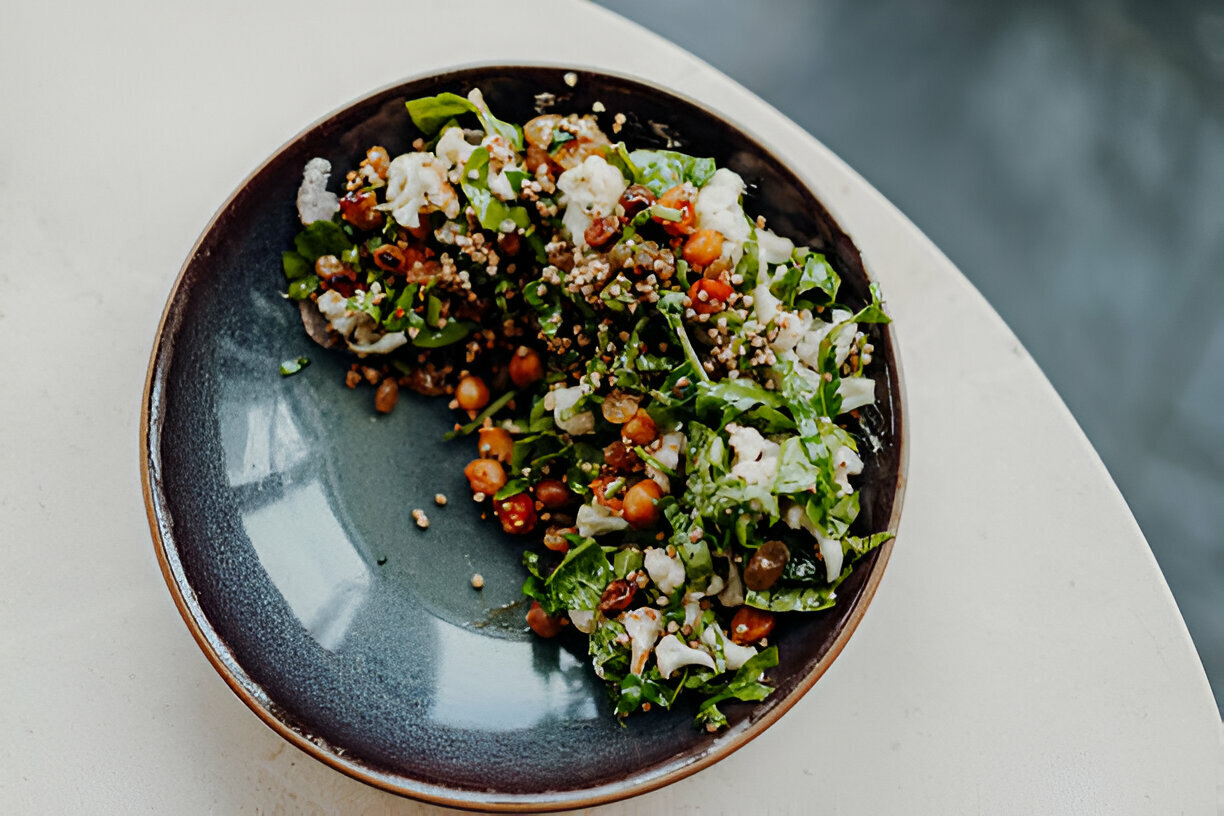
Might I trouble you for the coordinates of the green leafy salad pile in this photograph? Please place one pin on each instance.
(665, 395)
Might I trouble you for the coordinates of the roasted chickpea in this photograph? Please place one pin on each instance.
(708, 296)
(471, 393)
(703, 247)
(680, 198)
(620, 406)
(541, 623)
(495, 443)
(750, 625)
(386, 396)
(516, 513)
(602, 231)
(357, 208)
(640, 507)
(526, 367)
(485, 476)
(553, 494)
(640, 429)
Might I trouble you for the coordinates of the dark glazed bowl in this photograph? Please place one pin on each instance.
(281, 507)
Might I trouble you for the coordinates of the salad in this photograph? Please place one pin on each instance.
(663, 396)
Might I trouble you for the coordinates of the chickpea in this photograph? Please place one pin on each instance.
(750, 625)
(640, 507)
(516, 513)
(619, 457)
(329, 266)
(386, 396)
(703, 247)
(553, 494)
(472, 394)
(554, 538)
(485, 476)
(526, 367)
(635, 199)
(709, 295)
(640, 429)
(542, 623)
(495, 443)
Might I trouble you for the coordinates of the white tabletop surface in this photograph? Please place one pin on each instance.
(1022, 656)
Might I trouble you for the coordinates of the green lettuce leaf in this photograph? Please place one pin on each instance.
(660, 170)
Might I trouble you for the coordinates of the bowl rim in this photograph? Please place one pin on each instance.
(231, 672)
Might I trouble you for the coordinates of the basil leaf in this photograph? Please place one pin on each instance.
(295, 265)
(492, 211)
(452, 332)
(321, 238)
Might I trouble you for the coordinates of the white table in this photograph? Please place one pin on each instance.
(1023, 654)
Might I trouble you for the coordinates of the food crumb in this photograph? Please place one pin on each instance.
(571, 78)
(440, 499)
(598, 107)
(618, 122)
(477, 581)
(420, 518)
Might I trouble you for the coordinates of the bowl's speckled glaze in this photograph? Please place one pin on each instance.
(281, 507)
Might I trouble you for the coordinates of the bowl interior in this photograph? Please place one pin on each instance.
(283, 506)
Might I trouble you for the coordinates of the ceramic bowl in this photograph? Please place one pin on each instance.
(281, 506)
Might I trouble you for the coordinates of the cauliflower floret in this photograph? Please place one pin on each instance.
(735, 654)
(591, 190)
(733, 593)
(764, 305)
(356, 327)
(830, 548)
(583, 620)
(668, 455)
(595, 519)
(501, 159)
(718, 208)
(454, 148)
(856, 392)
(772, 249)
(666, 572)
(561, 402)
(671, 654)
(846, 463)
(314, 202)
(756, 458)
(416, 182)
(643, 626)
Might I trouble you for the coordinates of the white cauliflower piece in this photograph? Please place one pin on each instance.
(643, 626)
(808, 348)
(692, 607)
(416, 182)
(561, 402)
(595, 520)
(672, 653)
(356, 327)
(855, 392)
(830, 548)
(666, 572)
(846, 463)
(764, 305)
(831, 552)
(792, 327)
(592, 190)
(733, 593)
(756, 458)
(718, 208)
(314, 202)
(454, 149)
(583, 620)
(735, 654)
(772, 249)
(671, 446)
(501, 159)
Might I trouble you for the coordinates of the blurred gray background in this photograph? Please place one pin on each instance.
(1069, 158)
